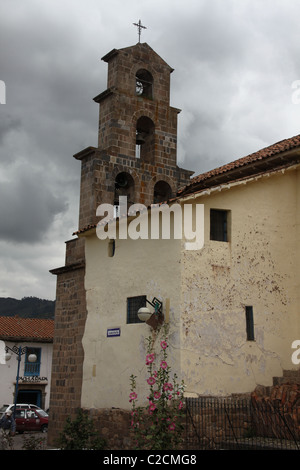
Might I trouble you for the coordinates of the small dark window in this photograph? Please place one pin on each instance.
(133, 306)
(249, 323)
(111, 248)
(219, 225)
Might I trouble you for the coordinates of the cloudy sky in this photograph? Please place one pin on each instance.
(235, 65)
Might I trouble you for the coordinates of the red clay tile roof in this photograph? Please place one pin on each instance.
(261, 156)
(26, 328)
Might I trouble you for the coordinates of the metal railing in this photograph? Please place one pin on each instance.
(32, 369)
(238, 423)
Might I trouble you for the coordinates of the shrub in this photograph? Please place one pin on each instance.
(34, 443)
(80, 434)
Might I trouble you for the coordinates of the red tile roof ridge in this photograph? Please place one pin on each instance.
(276, 148)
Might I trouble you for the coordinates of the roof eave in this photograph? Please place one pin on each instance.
(28, 339)
(289, 157)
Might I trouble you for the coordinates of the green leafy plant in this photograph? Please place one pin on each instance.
(34, 443)
(80, 434)
(6, 440)
(159, 425)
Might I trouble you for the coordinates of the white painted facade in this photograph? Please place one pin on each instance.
(37, 386)
(207, 290)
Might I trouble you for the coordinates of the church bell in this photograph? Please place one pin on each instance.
(139, 138)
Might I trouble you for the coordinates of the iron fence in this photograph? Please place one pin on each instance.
(238, 423)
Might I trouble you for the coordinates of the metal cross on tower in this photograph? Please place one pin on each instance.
(140, 27)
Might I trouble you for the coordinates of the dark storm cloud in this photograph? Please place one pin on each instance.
(48, 117)
(8, 124)
(234, 64)
(27, 207)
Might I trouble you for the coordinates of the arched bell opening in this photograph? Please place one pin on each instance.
(144, 84)
(162, 192)
(124, 186)
(145, 139)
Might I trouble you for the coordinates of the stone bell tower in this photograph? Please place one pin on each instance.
(135, 157)
(137, 136)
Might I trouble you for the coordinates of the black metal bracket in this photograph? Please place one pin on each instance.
(157, 305)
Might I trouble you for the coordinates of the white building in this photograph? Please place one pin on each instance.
(22, 337)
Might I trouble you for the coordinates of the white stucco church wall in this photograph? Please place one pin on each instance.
(209, 291)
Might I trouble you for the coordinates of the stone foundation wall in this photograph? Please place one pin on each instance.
(277, 411)
(114, 426)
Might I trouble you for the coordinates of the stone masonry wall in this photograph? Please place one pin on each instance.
(277, 408)
(113, 425)
(70, 317)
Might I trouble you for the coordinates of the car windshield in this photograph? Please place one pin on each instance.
(41, 413)
(3, 408)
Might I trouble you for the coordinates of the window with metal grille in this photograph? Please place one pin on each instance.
(32, 368)
(249, 323)
(219, 225)
(133, 306)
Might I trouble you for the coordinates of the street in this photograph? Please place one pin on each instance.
(29, 441)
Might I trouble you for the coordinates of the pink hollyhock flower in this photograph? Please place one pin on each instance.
(132, 396)
(163, 365)
(164, 345)
(167, 386)
(172, 427)
(151, 381)
(180, 406)
(152, 407)
(157, 395)
(149, 358)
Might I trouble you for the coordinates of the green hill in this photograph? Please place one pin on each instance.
(28, 307)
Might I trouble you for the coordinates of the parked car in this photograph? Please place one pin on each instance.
(31, 420)
(5, 408)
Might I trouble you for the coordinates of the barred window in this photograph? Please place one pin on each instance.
(133, 306)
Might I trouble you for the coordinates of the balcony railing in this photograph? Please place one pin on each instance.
(32, 369)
